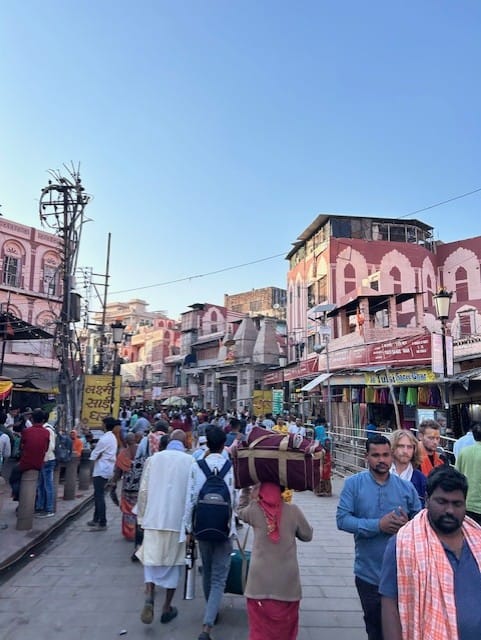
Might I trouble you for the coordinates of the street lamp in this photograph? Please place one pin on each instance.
(442, 301)
(117, 336)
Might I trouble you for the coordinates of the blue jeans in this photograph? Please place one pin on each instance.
(215, 569)
(45, 488)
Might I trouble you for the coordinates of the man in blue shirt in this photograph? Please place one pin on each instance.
(434, 577)
(374, 505)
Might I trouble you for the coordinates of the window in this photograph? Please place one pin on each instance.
(467, 321)
(397, 233)
(11, 271)
(255, 305)
(349, 278)
(50, 280)
(396, 280)
(461, 277)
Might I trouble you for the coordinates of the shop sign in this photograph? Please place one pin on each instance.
(413, 377)
(277, 401)
(96, 399)
(261, 402)
(398, 352)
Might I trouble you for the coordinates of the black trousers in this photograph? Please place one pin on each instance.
(99, 500)
(371, 606)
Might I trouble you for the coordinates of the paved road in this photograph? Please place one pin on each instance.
(84, 586)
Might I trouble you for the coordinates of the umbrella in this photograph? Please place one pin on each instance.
(175, 401)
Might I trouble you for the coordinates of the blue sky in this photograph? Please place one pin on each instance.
(212, 133)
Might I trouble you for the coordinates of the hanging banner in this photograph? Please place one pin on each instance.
(261, 402)
(408, 377)
(5, 387)
(96, 399)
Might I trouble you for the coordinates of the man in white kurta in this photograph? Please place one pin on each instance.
(160, 511)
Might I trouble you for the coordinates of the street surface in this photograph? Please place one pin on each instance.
(84, 586)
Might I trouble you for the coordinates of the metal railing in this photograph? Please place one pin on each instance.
(349, 449)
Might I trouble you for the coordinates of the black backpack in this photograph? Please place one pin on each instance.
(213, 510)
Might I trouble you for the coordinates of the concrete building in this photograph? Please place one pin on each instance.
(267, 301)
(31, 290)
(377, 277)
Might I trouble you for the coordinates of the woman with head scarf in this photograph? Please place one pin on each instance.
(273, 588)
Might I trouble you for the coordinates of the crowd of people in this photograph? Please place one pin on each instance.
(415, 519)
(163, 462)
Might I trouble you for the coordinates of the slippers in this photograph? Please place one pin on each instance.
(147, 614)
(168, 615)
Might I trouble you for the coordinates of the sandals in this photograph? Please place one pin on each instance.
(169, 615)
(147, 614)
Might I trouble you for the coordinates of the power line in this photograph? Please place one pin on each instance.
(278, 255)
(438, 204)
(200, 275)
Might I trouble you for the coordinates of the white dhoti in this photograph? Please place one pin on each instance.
(163, 556)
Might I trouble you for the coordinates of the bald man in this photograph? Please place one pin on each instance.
(160, 511)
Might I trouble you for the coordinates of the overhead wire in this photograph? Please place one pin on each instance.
(278, 255)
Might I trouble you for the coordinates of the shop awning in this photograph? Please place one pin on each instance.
(316, 382)
(13, 328)
(32, 379)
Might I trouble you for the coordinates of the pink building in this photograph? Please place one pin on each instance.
(362, 289)
(31, 290)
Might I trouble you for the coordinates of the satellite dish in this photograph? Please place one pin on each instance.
(276, 306)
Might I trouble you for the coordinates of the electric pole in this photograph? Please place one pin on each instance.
(61, 208)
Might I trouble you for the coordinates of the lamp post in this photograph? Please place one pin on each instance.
(325, 331)
(117, 335)
(442, 301)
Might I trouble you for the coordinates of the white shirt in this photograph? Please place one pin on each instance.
(104, 455)
(5, 447)
(196, 482)
(294, 428)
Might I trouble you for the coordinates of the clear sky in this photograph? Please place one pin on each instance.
(212, 133)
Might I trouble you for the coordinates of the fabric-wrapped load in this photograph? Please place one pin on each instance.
(289, 460)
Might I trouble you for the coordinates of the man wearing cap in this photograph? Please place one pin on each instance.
(104, 456)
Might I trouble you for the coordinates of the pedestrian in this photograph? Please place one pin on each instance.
(406, 459)
(373, 505)
(296, 428)
(160, 511)
(273, 587)
(215, 553)
(103, 455)
(431, 573)
(371, 429)
(45, 498)
(468, 462)
(464, 441)
(34, 443)
(324, 488)
(128, 470)
(77, 444)
(429, 434)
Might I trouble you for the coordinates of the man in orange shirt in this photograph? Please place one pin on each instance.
(429, 436)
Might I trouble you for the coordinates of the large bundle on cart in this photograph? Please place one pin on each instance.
(289, 460)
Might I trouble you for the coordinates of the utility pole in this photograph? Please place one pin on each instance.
(62, 205)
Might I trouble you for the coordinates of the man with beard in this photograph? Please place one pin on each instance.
(431, 573)
(374, 504)
(429, 436)
(406, 459)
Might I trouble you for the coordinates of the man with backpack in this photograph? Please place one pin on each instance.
(209, 517)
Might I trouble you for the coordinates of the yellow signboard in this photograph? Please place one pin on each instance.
(412, 377)
(261, 402)
(96, 399)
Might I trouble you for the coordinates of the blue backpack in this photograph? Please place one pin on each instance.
(213, 510)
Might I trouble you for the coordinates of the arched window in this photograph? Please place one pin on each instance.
(161, 323)
(12, 255)
(396, 279)
(213, 322)
(349, 278)
(51, 274)
(166, 335)
(429, 291)
(461, 283)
